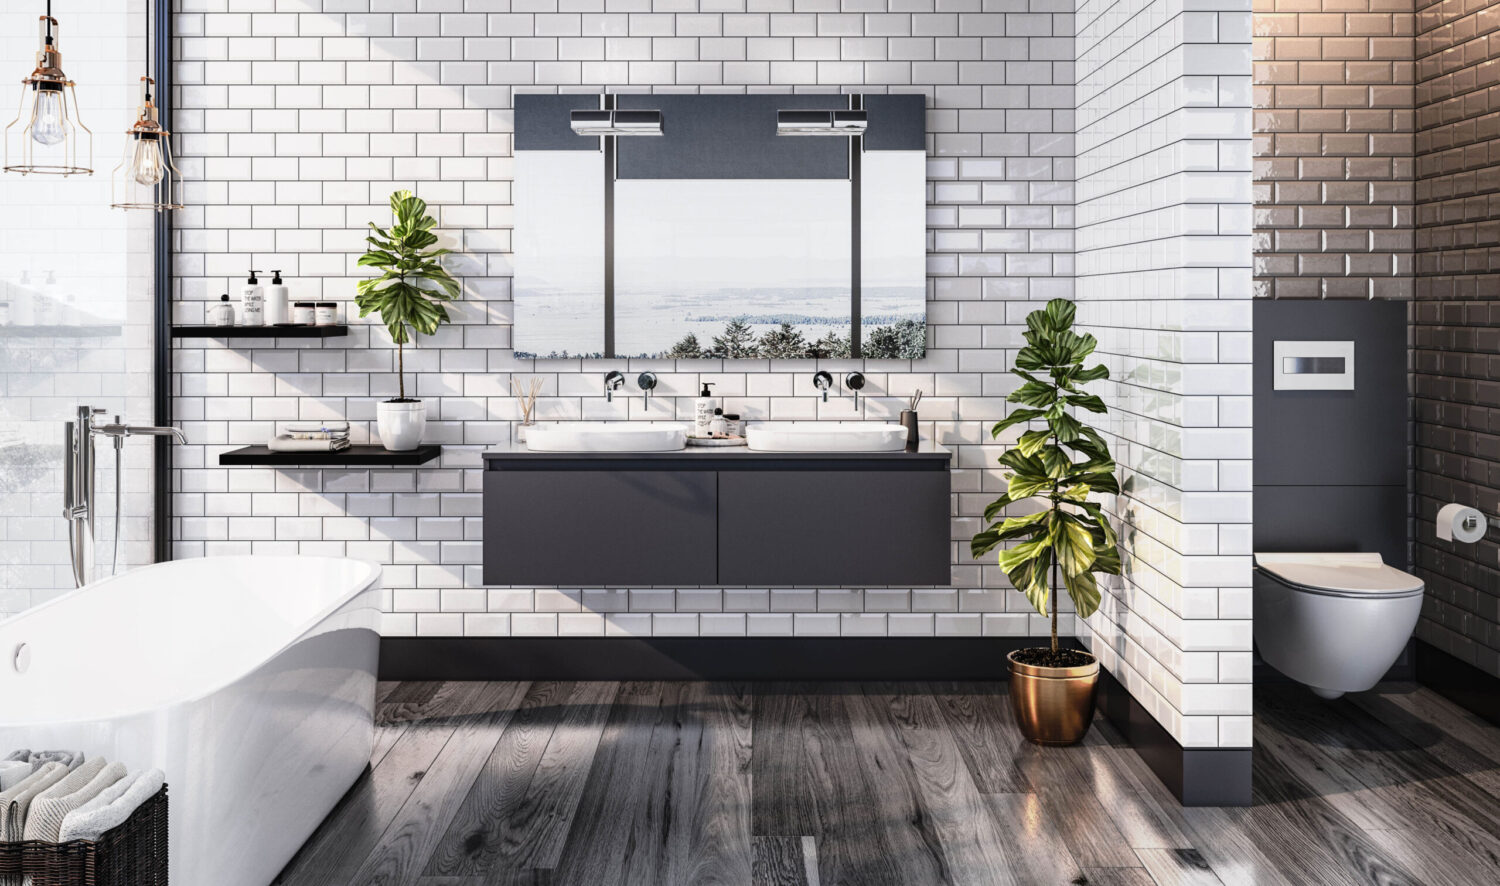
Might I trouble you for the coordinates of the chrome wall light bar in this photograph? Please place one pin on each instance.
(833, 122)
(616, 122)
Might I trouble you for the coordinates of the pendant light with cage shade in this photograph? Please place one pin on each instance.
(48, 137)
(145, 176)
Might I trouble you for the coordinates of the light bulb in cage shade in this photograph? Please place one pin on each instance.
(48, 118)
(47, 137)
(147, 165)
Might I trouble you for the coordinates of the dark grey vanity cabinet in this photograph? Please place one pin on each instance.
(833, 527)
(586, 527)
(702, 518)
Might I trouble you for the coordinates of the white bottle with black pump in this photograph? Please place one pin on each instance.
(278, 308)
(252, 302)
(703, 410)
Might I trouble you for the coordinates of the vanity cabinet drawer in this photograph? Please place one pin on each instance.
(831, 528)
(583, 527)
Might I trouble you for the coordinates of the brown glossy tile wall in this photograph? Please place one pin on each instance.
(1334, 127)
(1456, 333)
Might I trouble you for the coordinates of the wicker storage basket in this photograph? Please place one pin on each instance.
(133, 854)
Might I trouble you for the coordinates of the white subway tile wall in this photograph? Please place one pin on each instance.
(1164, 280)
(298, 117)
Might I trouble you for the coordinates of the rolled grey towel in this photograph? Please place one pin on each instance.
(15, 802)
(111, 808)
(45, 818)
(70, 759)
(23, 756)
(13, 772)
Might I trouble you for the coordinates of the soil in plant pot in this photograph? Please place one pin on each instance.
(403, 400)
(1043, 657)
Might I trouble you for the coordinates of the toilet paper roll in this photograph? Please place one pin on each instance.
(1456, 522)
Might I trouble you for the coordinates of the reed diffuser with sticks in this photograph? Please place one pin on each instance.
(526, 400)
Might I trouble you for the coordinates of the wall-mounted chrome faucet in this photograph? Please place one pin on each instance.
(855, 381)
(647, 383)
(822, 380)
(78, 481)
(613, 381)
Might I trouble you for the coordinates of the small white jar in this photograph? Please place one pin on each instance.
(302, 313)
(326, 313)
(222, 314)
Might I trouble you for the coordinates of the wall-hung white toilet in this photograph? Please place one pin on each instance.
(1335, 622)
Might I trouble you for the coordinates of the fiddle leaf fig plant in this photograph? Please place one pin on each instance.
(413, 284)
(1058, 466)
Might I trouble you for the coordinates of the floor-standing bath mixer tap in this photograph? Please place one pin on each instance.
(79, 460)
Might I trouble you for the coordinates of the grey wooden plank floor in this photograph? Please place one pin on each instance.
(904, 784)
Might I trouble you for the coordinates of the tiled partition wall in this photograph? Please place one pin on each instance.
(299, 117)
(1164, 279)
(1456, 333)
(1334, 124)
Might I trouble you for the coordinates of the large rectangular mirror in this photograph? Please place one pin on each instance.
(715, 236)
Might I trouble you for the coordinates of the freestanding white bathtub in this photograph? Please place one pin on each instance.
(249, 680)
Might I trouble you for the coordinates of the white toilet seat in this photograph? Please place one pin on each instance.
(1357, 575)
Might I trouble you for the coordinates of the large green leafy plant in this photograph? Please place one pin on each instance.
(1058, 466)
(413, 284)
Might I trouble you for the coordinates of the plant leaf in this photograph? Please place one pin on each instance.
(1084, 590)
(1060, 313)
(1034, 393)
(1032, 441)
(1017, 416)
(1073, 544)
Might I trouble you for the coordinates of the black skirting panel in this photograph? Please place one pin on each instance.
(1460, 682)
(1196, 776)
(700, 658)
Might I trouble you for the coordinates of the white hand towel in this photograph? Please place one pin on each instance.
(288, 444)
(15, 802)
(45, 818)
(111, 808)
(13, 772)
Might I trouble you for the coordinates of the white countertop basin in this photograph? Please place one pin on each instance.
(606, 436)
(826, 436)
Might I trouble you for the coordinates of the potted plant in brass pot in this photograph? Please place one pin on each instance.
(1065, 540)
(408, 295)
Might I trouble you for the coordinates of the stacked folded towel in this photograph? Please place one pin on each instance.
(311, 437)
(15, 769)
(67, 798)
(15, 802)
(45, 817)
(112, 807)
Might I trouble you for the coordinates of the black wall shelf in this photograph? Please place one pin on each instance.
(260, 331)
(354, 456)
(59, 331)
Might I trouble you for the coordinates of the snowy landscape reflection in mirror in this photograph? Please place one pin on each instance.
(739, 269)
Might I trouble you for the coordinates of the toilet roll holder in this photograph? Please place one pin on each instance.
(1462, 523)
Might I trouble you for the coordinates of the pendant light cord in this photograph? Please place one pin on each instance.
(49, 22)
(148, 48)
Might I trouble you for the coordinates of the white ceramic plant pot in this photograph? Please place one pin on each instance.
(400, 423)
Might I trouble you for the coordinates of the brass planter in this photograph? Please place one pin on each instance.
(1053, 705)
